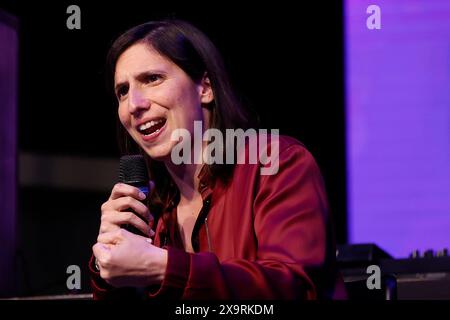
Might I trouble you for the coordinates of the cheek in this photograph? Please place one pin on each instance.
(184, 117)
(124, 117)
(189, 109)
(186, 95)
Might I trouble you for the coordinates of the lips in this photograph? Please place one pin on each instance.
(151, 128)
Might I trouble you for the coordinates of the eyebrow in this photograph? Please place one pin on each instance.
(140, 77)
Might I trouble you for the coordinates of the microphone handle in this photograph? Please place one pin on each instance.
(144, 189)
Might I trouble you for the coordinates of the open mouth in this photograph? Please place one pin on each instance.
(152, 127)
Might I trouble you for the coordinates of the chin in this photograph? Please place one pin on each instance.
(161, 152)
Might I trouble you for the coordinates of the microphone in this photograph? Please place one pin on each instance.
(133, 171)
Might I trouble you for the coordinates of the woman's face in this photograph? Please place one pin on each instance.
(157, 97)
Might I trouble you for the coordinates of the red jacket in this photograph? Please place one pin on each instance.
(258, 237)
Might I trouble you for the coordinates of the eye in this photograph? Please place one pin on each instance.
(121, 91)
(153, 77)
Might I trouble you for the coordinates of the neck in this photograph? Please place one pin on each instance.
(186, 178)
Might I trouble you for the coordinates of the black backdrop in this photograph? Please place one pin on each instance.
(285, 59)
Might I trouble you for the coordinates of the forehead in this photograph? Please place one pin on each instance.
(138, 58)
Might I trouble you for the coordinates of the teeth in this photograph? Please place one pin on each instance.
(149, 124)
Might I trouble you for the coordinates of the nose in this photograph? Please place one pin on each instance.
(137, 102)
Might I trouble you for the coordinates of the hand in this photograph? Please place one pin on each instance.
(114, 211)
(129, 260)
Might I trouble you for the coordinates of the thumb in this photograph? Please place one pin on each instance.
(100, 250)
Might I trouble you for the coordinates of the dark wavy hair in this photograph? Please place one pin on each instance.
(192, 51)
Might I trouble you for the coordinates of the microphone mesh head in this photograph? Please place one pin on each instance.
(133, 169)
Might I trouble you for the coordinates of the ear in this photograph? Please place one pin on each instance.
(206, 93)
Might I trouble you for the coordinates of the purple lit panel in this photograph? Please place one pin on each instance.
(398, 125)
(8, 143)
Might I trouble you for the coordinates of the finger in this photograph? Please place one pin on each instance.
(114, 220)
(123, 218)
(111, 238)
(122, 189)
(108, 226)
(126, 203)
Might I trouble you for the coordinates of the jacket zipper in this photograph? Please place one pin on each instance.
(207, 234)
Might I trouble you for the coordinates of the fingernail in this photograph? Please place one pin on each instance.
(152, 233)
(141, 195)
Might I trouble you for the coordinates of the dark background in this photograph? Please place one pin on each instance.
(286, 60)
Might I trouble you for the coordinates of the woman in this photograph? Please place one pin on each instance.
(224, 231)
